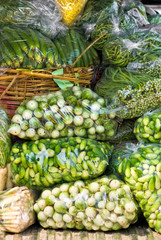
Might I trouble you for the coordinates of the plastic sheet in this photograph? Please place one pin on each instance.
(103, 204)
(74, 111)
(139, 165)
(40, 15)
(43, 163)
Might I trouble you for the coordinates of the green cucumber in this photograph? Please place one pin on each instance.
(61, 51)
(85, 60)
(76, 48)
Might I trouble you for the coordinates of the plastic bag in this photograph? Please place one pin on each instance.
(132, 47)
(114, 79)
(74, 111)
(147, 128)
(16, 209)
(43, 163)
(103, 204)
(131, 102)
(124, 132)
(25, 47)
(70, 10)
(137, 10)
(149, 64)
(112, 21)
(5, 140)
(154, 19)
(140, 167)
(40, 15)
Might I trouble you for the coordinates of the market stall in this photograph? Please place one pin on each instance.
(80, 119)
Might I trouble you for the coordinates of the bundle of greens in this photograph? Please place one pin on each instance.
(154, 19)
(116, 78)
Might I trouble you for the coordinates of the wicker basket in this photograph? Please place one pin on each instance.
(16, 85)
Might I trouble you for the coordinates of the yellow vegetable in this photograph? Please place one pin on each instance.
(70, 9)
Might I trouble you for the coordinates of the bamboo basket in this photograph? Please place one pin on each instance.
(16, 85)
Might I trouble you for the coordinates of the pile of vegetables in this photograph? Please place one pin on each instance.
(131, 102)
(59, 139)
(116, 78)
(43, 163)
(25, 47)
(140, 167)
(74, 111)
(103, 204)
(147, 128)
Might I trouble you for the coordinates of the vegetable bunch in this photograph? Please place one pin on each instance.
(148, 127)
(102, 204)
(75, 111)
(131, 102)
(42, 163)
(140, 167)
(26, 47)
(116, 78)
(16, 209)
(5, 141)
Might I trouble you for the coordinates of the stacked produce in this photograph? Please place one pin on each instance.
(75, 111)
(102, 204)
(148, 127)
(140, 167)
(45, 162)
(25, 47)
(59, 139)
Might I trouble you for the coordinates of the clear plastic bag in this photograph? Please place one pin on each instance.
(28, 48)
(43, 163)
(115, 78)
(5, 140)
(74, 111)
(139, 44)
(139, 165)
(16, 209)
(102, 204)
(40, 15)
(70, 10)
(131, 102)
(147, 128)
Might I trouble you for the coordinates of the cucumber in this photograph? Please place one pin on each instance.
(17, 38)
(85, 60)
(5, 61)
(13, 44)
(34, 36)
(76, 48)
(60, 47)
(69, 46)
(24, 36)
(8, 51)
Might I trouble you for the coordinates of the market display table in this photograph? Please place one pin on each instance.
(138, 231)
